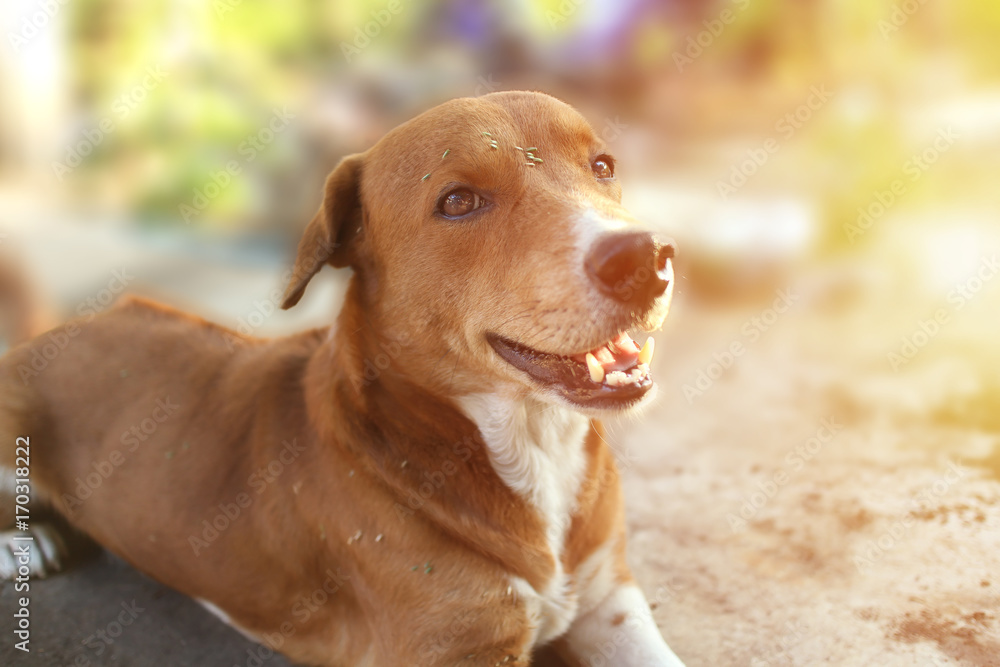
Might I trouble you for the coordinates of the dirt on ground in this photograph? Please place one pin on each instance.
(813, 500)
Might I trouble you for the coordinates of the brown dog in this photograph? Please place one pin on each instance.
(421, 484)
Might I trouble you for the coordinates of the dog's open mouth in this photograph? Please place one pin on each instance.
(612, 375)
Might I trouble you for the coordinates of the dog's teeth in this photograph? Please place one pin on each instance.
(623, 343)
(596, 370)
(646, 353)
(617, 379)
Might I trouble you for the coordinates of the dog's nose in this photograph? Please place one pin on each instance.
(631, 267)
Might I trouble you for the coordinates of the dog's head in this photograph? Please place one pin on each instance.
(491, 246)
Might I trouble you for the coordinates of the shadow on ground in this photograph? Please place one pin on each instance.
(105, 613)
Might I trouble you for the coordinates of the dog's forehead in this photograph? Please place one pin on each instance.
(537, 112)
(505, 119)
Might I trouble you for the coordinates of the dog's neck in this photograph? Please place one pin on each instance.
(404, 436)
(537, 449)
(533, 452)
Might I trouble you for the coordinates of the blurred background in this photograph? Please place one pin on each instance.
(766, 135)
(828, 168)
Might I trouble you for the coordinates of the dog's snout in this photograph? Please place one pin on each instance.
(631, 267)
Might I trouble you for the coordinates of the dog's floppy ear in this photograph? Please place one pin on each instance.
(327, 239)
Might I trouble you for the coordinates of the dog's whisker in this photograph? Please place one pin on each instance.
(441, 358)
(453, 371)
(527, 312)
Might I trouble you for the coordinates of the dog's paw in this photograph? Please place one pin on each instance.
(44, 554)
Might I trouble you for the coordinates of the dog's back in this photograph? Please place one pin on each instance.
(88, 395)
(85, 400)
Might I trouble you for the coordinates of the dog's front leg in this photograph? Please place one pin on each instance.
(619, 631)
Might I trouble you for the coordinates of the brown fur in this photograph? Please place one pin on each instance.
(433, 589)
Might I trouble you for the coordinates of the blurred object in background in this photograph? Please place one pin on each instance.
(24, 311)
(16, 318)
(770, 138)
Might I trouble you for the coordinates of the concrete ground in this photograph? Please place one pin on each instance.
(804, 510)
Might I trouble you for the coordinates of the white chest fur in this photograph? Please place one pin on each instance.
(538, 451)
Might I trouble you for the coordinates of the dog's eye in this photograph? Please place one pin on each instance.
(604, 167)
(459, 202)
